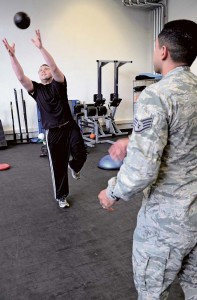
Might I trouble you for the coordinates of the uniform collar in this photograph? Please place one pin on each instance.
(177, 70)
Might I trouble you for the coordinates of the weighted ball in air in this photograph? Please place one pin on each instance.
(22, 20)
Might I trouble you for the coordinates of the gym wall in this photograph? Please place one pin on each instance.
(77, 33)
(183, 9)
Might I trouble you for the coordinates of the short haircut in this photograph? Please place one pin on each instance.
(43, 66)
(180, 37)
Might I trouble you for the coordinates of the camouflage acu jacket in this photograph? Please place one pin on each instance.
(162, 151)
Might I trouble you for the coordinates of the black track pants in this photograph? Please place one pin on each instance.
(61, 143)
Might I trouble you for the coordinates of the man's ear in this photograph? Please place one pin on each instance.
(164, 52)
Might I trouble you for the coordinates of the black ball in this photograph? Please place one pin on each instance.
(22, 20)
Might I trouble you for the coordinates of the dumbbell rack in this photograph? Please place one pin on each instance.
(88, 116)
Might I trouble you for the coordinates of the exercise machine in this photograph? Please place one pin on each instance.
(111, 125)
(92, 116)
(96, 118)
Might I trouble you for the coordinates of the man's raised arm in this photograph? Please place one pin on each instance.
(56, 73)
(24, 80)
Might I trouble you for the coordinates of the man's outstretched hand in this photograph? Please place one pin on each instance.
(10, 49)
(37, 40)
(118, 150)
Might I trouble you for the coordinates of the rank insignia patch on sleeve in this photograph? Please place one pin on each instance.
(141, 125)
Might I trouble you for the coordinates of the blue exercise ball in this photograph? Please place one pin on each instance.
(107, 163)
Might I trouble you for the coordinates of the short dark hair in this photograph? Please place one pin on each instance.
(44, 65)
(180, 37)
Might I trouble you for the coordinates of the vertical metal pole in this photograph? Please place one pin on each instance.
(115, 79)
(25, 115)
(18, 114)
(13, 126)
(99, 80)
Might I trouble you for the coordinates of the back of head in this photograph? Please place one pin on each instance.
(180, 37)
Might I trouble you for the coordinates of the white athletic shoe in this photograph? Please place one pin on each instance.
(75, 175)
(63, 202)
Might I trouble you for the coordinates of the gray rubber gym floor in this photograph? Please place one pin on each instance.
(48, 253)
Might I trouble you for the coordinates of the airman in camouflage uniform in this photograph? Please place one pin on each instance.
(161, 160)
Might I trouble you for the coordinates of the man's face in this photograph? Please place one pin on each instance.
(157, 61)
(44, 73)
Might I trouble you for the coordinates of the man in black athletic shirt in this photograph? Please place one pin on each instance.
(62, 133)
